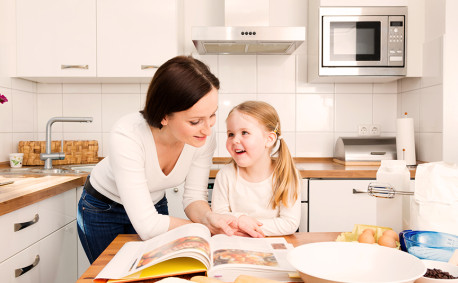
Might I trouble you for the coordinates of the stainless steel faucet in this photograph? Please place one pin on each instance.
(49, 156)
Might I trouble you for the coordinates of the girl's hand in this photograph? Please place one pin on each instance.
(249, 226)
(220, 223)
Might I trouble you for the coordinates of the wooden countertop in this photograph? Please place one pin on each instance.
(29, 189)
(322, 168)
(295, 239)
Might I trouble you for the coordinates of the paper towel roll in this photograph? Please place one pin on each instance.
(405, 140)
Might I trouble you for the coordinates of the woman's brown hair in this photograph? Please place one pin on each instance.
(286, 183)
(176, 86)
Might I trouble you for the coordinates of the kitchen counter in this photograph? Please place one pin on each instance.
(321, 168)
(295, 239)
(29, 189)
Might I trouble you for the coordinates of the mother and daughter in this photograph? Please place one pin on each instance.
(170, 142)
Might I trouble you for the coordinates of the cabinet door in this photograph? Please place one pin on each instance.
(134, 37)
(25, 226)
(56, 38)
(334, 208)
(57, 259)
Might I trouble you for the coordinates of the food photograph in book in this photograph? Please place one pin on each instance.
(190, 242)
(237, 256)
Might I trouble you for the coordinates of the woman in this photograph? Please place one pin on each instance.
(169, 142)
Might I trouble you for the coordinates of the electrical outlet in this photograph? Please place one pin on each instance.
(374, 130)
(363, 130)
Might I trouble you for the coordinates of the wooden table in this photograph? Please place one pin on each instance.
(295, 239)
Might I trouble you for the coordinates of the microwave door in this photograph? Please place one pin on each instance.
(349, 41)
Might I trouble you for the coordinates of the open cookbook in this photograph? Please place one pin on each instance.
(191, 249)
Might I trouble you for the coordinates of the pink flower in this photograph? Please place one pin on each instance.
(3, 99)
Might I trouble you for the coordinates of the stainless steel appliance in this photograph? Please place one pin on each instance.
(362, 41)
(365, 148)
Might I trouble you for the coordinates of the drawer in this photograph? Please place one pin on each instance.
(57, 259)
(39, 220)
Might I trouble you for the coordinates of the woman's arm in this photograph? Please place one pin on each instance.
(199, 211)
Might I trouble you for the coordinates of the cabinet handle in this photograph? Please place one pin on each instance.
(175, 190)
(74, 67)
(23, 225)
(358, 192)
(145, 67)
(18, 272)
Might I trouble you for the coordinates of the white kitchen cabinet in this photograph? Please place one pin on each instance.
(135, 37)
(303, 225)
(46, 229)
(56, 38)
(54, 256)
(334, 208)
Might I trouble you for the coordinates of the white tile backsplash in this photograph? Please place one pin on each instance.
(49, 88)
(385, 111)
(315, 112)
(390, 87)
(353, 88)
(116, 105)
(276, 74)
(83, 105)
(7, 146)
(431, 109)
(6, 112)
(23, 85)
(121, 88)
(237, 73)
(24, 108)
(82, 88)
(351, 110)
(49, 105)
(314, 144)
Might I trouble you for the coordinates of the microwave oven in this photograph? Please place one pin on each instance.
(362, 41)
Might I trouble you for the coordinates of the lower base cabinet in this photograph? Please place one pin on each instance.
(82, 260)
(52, 259)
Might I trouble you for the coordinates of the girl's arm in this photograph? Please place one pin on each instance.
(286, 223)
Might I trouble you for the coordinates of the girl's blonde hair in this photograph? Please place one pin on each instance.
(285, 176)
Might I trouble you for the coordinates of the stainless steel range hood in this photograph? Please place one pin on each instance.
(247, 31)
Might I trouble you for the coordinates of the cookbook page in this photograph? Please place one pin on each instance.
(191, 240)
(249, 253)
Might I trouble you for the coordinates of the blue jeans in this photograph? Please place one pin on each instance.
(99, 223)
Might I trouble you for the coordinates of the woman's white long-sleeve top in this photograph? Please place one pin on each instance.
(131, 174)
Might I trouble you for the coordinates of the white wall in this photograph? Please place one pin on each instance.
(313, 116)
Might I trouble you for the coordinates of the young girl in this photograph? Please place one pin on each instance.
(261, 191)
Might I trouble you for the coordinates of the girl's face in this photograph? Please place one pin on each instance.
(192, 126)
(248, 142)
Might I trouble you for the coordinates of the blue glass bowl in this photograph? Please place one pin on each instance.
(429, 245)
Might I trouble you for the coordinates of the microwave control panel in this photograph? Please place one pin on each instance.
(396, 41)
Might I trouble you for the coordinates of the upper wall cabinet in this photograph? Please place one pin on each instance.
(95, 40)
(56, 38)
(135, 37)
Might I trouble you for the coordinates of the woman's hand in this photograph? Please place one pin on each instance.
(248, 226)
(220, 223)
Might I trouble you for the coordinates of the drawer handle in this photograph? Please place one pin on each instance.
(144, 67)
(74, 67)
(18, 272)
(358, 192)
(23, 225)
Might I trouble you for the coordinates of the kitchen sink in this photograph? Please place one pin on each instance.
(58, 170)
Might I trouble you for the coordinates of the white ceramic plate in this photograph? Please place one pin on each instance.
(354, 262)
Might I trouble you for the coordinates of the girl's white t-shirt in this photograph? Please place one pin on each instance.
(131, 175)
(236, 196)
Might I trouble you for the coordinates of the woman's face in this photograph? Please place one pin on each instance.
(192, 126)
